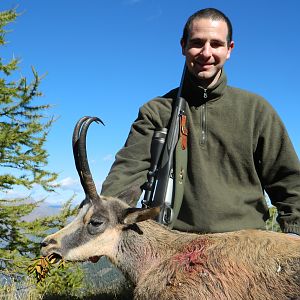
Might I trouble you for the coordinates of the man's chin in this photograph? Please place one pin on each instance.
(206, 78)
(205, 74)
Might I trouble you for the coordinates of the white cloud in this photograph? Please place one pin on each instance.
(108, 157)
(15, 194)
(70, 183)
(69, 187)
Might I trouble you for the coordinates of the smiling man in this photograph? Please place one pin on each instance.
(237, 146)
(207, 45)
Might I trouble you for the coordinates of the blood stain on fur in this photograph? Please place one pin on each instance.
(193, 256)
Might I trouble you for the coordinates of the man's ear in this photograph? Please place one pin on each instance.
(135, 215)
(231, 46)
(182, 44)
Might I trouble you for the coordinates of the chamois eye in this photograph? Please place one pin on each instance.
(95, 223)
(96, 226)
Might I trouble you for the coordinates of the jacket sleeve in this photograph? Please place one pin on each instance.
(280, 171)
(129, 170)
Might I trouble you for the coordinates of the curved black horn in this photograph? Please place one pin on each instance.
(80, 155)
(75, 138)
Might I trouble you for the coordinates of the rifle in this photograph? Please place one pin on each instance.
(159, 187)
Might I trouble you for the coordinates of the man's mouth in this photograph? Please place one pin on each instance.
(203, 66)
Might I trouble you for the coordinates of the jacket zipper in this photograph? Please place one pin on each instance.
(203, 124)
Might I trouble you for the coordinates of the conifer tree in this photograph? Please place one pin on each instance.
(23, 132)
(24, 126)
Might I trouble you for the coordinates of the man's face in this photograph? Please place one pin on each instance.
(207, 49)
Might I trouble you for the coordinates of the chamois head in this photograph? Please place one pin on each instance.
(100, 221)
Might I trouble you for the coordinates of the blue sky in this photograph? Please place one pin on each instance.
(107, 57)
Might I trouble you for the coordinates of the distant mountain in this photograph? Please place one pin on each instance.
(43, 210)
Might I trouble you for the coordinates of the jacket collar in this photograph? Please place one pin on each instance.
(197, 95)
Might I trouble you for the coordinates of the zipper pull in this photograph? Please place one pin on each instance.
(205, 94)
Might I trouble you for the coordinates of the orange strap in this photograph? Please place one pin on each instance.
(183, 132)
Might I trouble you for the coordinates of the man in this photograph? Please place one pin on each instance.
(237, 146)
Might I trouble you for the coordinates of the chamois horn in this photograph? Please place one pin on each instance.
(80, 156)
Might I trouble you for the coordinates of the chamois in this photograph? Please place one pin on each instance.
(166, 264)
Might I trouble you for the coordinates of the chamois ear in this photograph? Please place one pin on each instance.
(135, 215)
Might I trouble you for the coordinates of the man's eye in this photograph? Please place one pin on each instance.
(196, 44)
(216, 44)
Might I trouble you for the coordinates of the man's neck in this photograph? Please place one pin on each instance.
(208, 83)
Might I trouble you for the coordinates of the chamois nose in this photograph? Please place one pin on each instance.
(46, 242)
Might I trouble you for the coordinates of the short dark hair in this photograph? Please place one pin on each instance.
(207, 13)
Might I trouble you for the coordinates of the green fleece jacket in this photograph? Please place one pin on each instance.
(238, 149)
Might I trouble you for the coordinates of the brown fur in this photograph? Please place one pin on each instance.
(248, 264)
(166, 265)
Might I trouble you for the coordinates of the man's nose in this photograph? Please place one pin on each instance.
(206, 50)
